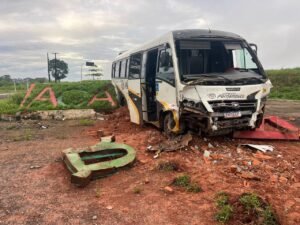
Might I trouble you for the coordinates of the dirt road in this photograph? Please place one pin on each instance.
(35, 187)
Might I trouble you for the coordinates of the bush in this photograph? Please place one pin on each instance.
(7, 106)
(75, 97)
(101, 106)
(17, 98)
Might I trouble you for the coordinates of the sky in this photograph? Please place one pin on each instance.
(97, 30)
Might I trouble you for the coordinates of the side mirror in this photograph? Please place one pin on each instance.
(164, 59)
(254, 47)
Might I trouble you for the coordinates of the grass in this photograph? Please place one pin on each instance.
(167, 166)
(224, 214)
(269, 217)
(86, 122)
(286, 83)
(225, 210)
(222, 199)
(250, 201)
(184, 181)
(253, 203)
(7, 106)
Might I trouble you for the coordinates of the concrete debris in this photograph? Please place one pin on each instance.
(235, 169)
(210, 145)
(94, 217)
(262, 148)
(83, 166)
(61, 114)
(283, 180)
(35, 167)
(168, 189)
(111, 138)
(206, 153)
(42, 126)
(109, 207)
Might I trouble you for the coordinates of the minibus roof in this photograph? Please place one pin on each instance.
(180, 34)
(203, 33)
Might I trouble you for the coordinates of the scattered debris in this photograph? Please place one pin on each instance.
(210, 145)
(283, 179)
(109, 207)
(100, 133)
(35, 167)
(206, 153)
(85, 164)
(260, 155)
(178, 143)
(94, 217)
(42, 126)
(168, 189)
(235, 169)
(111, 138)
(249, 175)
(263, 148)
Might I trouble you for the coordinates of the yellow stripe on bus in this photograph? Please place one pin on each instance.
(134, 92)
(134, 107)
(175, 115)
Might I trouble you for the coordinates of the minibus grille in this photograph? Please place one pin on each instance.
(233, 105)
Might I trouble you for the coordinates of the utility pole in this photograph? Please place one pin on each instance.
(49, 79)
(55, 69)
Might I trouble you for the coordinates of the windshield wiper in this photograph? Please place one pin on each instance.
(250, 78)
(212, 76)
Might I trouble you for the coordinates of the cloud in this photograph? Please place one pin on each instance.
(99, 29)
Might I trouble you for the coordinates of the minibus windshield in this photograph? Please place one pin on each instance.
(230, 58)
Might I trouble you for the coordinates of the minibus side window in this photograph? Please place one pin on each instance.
(165, 70)
(113, 69)
(126, 69)
(123, 69)
(120, 69)
(135, 66)
(117, 70)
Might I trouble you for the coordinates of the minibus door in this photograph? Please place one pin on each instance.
(150, 88)
(165, 80)
(134, 88)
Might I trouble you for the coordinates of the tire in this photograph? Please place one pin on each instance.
(168, 124)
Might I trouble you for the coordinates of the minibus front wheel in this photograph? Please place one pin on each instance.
(168, 123)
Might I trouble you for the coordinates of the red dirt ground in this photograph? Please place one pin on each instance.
(45, 195)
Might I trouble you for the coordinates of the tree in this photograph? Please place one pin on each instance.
(61, 70)
(95, 72)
